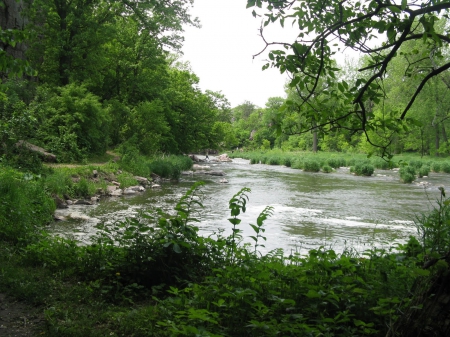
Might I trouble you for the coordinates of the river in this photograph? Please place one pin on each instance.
(336, 210)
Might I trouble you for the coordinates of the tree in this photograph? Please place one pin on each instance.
(326, 26)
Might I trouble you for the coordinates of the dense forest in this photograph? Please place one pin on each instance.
(81, 77)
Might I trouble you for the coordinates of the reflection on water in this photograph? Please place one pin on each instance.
(336, 210)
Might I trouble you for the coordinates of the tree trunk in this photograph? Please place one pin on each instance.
(433, 319)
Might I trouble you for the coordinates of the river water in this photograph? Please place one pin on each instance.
(336, 210)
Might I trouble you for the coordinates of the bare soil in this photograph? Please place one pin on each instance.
(18, 319)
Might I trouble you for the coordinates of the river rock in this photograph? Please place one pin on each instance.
(58, 218)
(95, 173)
(187, 173)
(194, 158)
(223, 181)
(142, 180)
(115, 183)
(82, 202)
(223, 158)
(215, 173)
(156, 186)
(128, 191)
(116, 193)
(60, 203)
(197, 167)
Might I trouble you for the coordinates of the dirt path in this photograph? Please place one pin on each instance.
(19, 319)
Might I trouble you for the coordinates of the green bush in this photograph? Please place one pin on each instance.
(327, 169)
(436, 166)
(24, 206)
(445, 167)
(362, 169)
(424, 170)
(407, 174)
(287, 161)
(311, 165)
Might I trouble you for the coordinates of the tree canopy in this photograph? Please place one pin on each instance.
(377, 29)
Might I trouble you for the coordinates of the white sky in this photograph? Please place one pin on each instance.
(220, 53)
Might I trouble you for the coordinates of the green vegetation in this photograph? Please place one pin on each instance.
(174, 282)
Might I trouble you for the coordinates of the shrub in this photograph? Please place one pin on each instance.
(24, 207)
(327, 169)
(407, 174)
(362, 169)
(424, 170)
(274, 160)
(287, 161)
(436, 166)
(416, 164)
(445, 167)
(311, 165)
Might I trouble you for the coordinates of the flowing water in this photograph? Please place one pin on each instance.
(336, 210)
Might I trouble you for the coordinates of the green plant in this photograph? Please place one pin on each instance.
(407, 174)
(311, 165)
(436, 166)
(327, 169)
(362, 169)
(423, 171)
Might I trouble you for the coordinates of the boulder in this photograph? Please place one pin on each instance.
(215, 173)
(60, 203)
(223, 158)
(48, 157)
(197, 167)
(82, 202)
(142, 180)
(116, 193)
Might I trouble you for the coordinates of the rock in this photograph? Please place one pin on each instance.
(82, 202)
(95, 173)
(69, 202)
(215, 173)
(115, 183)
(155, 177)
(116, 193)
(60, 203)
(196, 167)
(110, 188)
(128, 191)
(187, 173)
(48, 157)
(137, 188)
(194, 158)
(223, 181)
(156, 186)
(59, 218)
(223, 158)
(95, 199)
(142, 180)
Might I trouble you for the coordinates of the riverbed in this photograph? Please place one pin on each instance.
(336, 210)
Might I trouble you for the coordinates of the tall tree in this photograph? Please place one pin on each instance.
(354, 25)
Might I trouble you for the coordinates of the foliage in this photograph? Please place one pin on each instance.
(328, 102)
(362, 169)
(311, 165)
(25, 208)
(407, 174)
(155, 274)
(327, 169)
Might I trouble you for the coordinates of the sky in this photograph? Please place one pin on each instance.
(221, 52)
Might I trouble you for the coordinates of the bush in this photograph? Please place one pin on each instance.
(311, 165)
(436, 166)
(407, 174)
(24, 207)
(424, 170)
(445, 167)
(287, 161)
(362, 169)
(327, 169)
